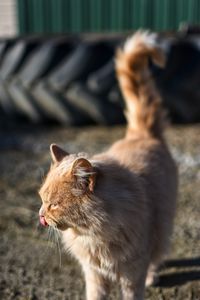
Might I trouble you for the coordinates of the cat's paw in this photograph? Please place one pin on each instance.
(152, 278)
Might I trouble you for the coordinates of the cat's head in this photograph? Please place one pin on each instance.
(67, 190)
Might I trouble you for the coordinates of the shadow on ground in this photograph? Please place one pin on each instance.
(176, 277)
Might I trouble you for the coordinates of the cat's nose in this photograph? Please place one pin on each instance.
(43, 222)
(42, 216)
(41, 211)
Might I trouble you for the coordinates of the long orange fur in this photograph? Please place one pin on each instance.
(116, 209)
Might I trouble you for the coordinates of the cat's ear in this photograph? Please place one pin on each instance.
(84, 176)
(57, 154)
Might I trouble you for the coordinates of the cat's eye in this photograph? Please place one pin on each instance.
(53, 206)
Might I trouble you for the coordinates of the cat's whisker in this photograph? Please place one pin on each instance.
(58, 232)
(57, 240)
(49, 237)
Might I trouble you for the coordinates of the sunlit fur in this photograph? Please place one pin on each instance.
(116, 209)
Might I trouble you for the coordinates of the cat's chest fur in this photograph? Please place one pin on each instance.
(90, 251)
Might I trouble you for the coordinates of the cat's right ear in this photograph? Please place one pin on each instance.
(57, 153)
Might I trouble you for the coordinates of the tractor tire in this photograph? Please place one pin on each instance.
(70, 79)
(103, 79)
(99, 109)
(86, 58)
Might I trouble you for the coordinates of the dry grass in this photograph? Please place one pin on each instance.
(29, 263)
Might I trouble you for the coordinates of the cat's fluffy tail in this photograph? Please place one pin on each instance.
(143, 104)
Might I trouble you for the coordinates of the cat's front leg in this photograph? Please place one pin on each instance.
(132, 288)
(97, 287)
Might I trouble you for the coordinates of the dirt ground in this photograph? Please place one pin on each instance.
(30, 265)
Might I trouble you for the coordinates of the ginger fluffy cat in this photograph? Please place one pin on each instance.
(116, 209)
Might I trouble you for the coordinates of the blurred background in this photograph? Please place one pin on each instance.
(56, 58)
(58, 84)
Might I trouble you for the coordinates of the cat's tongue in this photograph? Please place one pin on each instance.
(43, 221)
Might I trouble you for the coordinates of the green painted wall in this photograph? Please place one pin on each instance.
(47, 16)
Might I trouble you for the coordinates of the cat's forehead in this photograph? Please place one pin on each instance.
(55, 176)
(58, 172)
(50, 185)
(66, 164)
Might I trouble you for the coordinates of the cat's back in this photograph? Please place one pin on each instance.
(139, 153)
(149, 159)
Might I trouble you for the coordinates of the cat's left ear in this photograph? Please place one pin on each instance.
(57, 153)
(84, 176)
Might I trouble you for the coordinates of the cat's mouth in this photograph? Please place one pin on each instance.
(43, 221)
